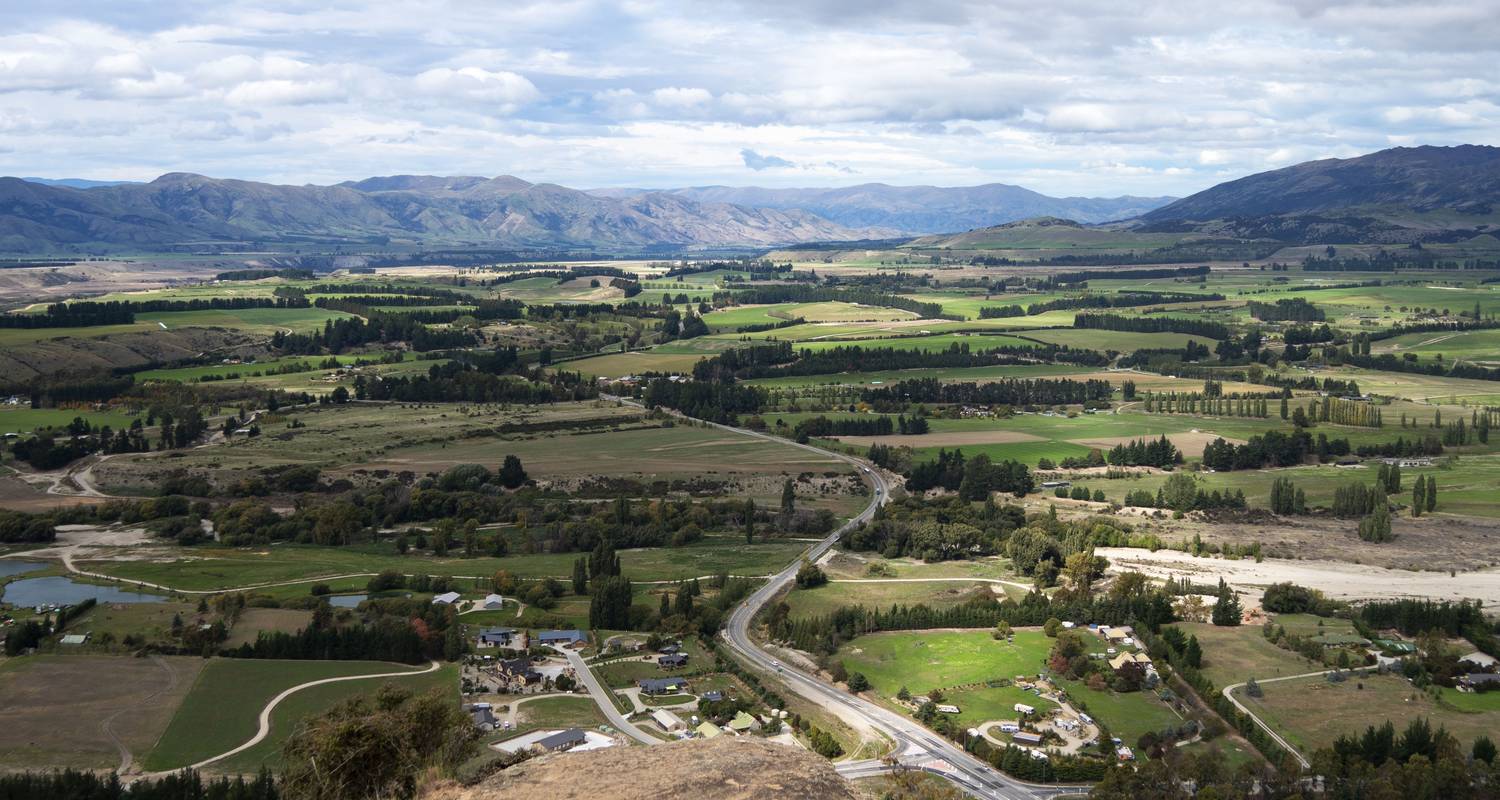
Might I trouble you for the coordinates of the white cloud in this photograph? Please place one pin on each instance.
(1139, 96)
(474, 83)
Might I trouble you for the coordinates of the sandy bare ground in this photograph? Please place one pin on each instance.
(951, 439)
(93, 542)
(20, 495)
(46, 284)
(1190, 443)
(1341, 581)
(1437, 542)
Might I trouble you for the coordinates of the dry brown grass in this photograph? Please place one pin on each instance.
(254, 621)
(726, 768)
(56, 707)
(950, 439)
(1191, 443)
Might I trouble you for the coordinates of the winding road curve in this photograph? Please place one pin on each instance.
(916, 746)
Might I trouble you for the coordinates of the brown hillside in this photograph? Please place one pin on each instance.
(724, 768)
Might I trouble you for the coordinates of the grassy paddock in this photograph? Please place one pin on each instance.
(222, 709)
(1312, 713)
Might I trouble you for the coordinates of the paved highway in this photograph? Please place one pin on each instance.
(915, 746)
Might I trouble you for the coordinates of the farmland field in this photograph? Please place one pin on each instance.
(926, 660)
(20, 419)
(1238, 653)
(318, 699)
(220, 568)
(1311, 712)
(221, 710)
(835, 594)
(54, 707)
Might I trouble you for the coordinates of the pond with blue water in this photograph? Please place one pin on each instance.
(60, 590)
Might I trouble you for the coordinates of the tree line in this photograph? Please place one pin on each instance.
(1156, 324)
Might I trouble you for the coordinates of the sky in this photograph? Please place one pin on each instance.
(1064, 97)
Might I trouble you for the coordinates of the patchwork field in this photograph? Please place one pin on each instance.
(335, 436)
(677, 452)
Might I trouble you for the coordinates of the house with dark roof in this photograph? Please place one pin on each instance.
(516, 674)
(562, 740)
(669, 649)
(483, 715)
(672, 661)
(496, 637)
(1479, 682)
(561, 638)
(657, 686)
(713, 695)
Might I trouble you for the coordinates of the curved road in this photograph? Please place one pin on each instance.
(916, 746)
(1229, 695)
(265, 713)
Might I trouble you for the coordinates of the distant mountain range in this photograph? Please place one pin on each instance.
(1399, 195)
(182, 209)
(74, 183)
(1393, 196)
(918, 209)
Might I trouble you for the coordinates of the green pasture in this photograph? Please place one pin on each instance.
(22, 419)
(222, 709)
(221, 568)
(926, 660)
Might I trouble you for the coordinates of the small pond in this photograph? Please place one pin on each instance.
(64, 591)
(11, 566)
(346, 600)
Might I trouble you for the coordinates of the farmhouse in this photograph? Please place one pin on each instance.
(492, 602)
(516, 674)
(672, 661)
(713, 695)
(658, 686)
(1118, 662)
(561, 638)
(708, 730)
(446, 598)
(562, 740)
